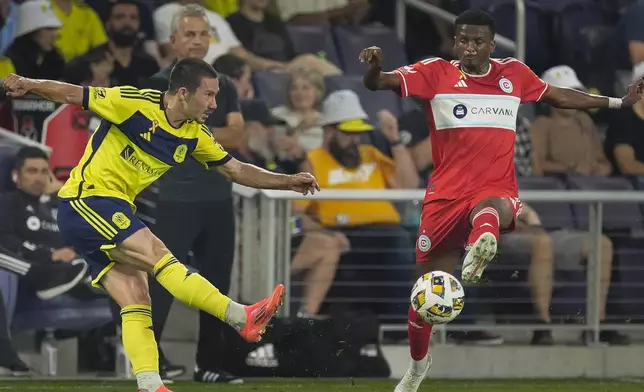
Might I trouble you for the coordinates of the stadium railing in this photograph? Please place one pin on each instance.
(518, 46)
(265, 220)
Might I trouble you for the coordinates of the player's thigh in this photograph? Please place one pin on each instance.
(95, 226)
(127, 285)
(442, 235)
(508, 207)
(142, 250)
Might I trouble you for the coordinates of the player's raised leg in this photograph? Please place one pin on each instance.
(487, 219)
(129, 288)
(419, 331)
(145, 251)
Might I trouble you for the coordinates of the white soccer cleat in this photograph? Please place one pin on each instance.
(478, 257)
(411, 381)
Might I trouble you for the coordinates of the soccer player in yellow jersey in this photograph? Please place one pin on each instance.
(143, 134)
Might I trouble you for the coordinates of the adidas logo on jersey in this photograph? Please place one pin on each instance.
(148, 135)
(461, 83)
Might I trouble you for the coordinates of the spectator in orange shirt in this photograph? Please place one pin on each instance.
(377, 240)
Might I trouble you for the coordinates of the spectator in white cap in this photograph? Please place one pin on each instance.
(625, 139)
(342, 162)
(32, 53)
(566, 140)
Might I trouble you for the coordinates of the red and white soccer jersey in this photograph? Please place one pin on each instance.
(472, 125)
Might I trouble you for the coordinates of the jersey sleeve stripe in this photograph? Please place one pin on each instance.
(205, 129)
(546, 88)
(150, 91)
(127, 95)
(403, 90)
(86, 98)
(220, 162)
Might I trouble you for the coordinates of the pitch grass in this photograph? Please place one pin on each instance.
(322, 385)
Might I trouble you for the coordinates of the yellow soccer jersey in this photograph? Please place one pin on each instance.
(134, 144)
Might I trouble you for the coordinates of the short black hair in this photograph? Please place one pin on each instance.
(476, 18)
(28, 152)
(188, 73)
(230, 65)
(114, 3)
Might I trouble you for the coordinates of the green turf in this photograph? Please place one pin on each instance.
(337, 386)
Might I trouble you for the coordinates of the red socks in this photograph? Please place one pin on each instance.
(419, 333)
(485, 221)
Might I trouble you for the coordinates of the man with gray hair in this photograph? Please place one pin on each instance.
(190, 193)
(222, 39)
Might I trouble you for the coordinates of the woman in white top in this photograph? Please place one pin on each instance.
(305, 93)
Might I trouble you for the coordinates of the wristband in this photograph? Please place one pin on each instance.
(395, 143)
(614, 103)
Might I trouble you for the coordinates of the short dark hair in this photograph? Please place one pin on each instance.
(230, 65)
(114, 3)
(28, 152)
(476, 18)
(188, 73)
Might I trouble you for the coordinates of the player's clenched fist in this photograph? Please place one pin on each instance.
(372, 55)
(16, 86)
(304, 183)
(634, 94)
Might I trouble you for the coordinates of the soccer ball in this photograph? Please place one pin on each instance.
(438, 297)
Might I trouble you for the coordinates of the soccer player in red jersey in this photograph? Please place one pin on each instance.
(471, 107)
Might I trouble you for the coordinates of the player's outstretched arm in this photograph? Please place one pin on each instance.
(374, 79)
(51, 90)
(566, 98)
(255, 177)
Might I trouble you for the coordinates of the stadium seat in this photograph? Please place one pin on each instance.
(553, 215)
(639, 183)
(575, 25)
(67, 132)
(538, 56)
(271, 87)
(569, 299)
(557, 6)
(616, 216)
(314, 39)
(372, 101)
(63, 312)
(627, 293)
(351, 41)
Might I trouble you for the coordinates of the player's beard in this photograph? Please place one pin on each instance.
(347, 156)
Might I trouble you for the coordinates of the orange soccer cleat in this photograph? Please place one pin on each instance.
(260, 314)
(162, 388)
